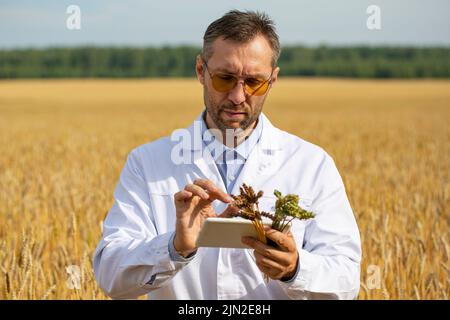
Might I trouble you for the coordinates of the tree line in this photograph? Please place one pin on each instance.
(323, 61)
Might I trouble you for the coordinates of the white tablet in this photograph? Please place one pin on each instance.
(226, 232)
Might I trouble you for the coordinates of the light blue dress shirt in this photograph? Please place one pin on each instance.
(230, 161)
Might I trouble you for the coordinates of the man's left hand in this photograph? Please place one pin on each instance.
(279, 263)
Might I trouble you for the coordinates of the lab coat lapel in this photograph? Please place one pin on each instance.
(264, 159)
(205, 163)
(200, 157)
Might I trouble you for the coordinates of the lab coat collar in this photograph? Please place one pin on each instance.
(269, 141)
(217, 148)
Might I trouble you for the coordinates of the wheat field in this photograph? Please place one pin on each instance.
(64, 142)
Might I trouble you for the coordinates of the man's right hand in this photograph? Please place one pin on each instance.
(193, 205)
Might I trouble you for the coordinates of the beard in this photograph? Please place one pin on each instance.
(216, 110)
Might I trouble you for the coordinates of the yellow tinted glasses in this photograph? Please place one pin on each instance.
(224, 82)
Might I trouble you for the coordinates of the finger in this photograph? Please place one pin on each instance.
(256, 244)
(269, 252)
(196, 190)
(273, 274)
(284, 241)
(213, 190)
(268, 263)
(229, 212)
(208, 213)
(182, 195)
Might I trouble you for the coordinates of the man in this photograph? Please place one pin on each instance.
(167, 189)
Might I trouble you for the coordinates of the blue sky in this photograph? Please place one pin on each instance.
(144, 22)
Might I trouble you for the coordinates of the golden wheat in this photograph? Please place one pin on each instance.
(63, 144)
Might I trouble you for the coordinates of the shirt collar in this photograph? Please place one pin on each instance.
(217, 148)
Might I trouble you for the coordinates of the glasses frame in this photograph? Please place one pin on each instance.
(269, 80)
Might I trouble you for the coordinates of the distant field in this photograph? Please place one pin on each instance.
(64, 142)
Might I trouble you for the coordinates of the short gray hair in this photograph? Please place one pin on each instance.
(242, 26)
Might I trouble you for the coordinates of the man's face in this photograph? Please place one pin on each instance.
(236, 108)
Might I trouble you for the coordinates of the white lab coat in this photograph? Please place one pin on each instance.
(132, 258)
